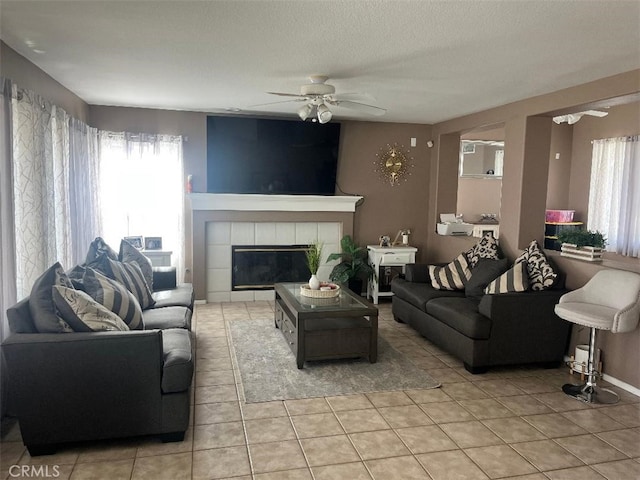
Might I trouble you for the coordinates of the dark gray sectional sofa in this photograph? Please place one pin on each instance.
(69, 387)
(482, 330)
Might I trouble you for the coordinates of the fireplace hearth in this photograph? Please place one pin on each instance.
(259, 267)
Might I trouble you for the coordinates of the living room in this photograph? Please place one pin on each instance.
(535, 181)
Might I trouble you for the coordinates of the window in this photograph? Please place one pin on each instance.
(614, 198)
(142, 190)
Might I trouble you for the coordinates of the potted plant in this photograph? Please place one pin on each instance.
(582, 244)
(314, 257)
(354, 268)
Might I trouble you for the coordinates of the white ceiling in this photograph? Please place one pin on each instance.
(424, 61)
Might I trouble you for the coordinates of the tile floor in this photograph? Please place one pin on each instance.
(508, 423)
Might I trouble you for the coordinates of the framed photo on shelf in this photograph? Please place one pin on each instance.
(153, 243)
(135, 241)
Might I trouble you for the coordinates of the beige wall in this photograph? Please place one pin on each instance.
(559, 168)
(477, 196)
(27, 75)
(386, 209)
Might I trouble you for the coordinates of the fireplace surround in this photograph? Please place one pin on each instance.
(219, 221)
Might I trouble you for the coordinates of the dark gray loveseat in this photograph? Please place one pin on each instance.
(68, 387)
(483, 330)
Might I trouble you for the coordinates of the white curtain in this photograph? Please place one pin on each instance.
(41, 186)
(54, 166)
(614, 199)
(84, 188)
(142, 190)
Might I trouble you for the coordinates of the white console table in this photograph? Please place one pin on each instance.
(159, 258)
(398, 256)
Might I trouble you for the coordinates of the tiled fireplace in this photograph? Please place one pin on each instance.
(221, 221)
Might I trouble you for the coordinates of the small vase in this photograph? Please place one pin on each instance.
(314, 283)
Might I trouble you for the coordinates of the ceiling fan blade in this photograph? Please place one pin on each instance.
(353, 97)
(286, 94)
(361, 107)
(299, 99)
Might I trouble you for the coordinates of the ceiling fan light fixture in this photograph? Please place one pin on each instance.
(324, 114)
(305, 111)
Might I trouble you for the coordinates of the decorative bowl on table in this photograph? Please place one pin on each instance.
(327, 290)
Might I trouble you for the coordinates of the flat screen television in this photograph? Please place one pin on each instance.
(268, 156)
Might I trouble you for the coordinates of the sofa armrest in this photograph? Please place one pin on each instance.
(524, 326)
(164, 278)
(417, 272)
(69, 382)
(507, 304)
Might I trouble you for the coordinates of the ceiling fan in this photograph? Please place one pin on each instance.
(318, 96)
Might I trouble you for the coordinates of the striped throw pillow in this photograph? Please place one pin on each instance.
(83, 313)
(453, 276)
(514, 280)
(114, 296)
(128, 274)
(129, 253)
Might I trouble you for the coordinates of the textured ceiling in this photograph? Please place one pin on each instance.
(424, 61)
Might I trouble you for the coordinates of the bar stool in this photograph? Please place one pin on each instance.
(609, 301)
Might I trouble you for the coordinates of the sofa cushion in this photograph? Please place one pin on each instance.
(418, 294)
(487, 247)
(485, 271)
(540, 272)
(83, 313)
(129, 253)
(181, 296)
(167, 317)
(129, 275)
(41, 305)
(462, 315)
(177, 368)
(516, 279)
(114, 296)
(99, 247)
(453, 276)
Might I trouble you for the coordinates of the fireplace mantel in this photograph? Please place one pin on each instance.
(274, 203)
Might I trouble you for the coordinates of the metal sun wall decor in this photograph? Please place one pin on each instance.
(393, 164)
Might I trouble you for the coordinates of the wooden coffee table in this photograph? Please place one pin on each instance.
(320, 329)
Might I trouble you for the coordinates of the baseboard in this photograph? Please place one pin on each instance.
(620, 384)
(614, 381)
(200, 302)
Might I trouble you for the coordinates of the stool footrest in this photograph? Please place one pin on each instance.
(590, 393)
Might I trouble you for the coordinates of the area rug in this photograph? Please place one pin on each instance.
(268, 368)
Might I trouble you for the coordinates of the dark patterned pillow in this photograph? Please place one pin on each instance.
(483, 273)
(129, 275)
(514, 280)
(129, 253)
(487, 247)
(114, 296)
(99, 247)
(539, 270)
(41, 306)
(83, 313)
(453, 276)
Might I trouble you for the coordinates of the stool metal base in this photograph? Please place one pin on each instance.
(591, 393)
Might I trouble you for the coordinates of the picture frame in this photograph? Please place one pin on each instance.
(136, 241)
(468, 147)
(153, 243)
